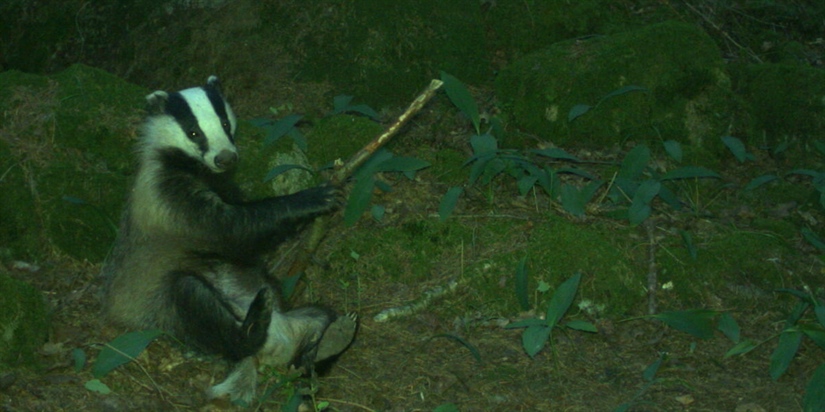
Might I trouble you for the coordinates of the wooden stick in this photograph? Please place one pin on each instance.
(320, 225)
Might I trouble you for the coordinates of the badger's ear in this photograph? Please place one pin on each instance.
(213, 81)
(156, 102)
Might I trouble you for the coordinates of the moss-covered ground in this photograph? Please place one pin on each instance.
(725, 248)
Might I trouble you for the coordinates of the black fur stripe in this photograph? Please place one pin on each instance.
(220, 109)
(178, 108)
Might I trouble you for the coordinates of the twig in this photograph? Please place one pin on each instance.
(418, 304)
(320, 225)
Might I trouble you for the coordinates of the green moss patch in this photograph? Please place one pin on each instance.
(686, 95)
(23, 322)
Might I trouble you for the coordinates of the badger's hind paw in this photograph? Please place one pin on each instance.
(337, 337)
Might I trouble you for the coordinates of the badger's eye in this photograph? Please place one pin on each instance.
(193, 134)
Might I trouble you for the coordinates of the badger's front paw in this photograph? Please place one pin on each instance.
(323, 198)
(240, 385)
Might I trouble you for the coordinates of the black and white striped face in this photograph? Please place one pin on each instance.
(197, 121)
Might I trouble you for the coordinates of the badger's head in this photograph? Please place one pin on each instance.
(196, 121)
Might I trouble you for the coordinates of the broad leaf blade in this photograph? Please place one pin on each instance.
(635, 163)
(122, 349)
(562, 299)
(448, 202)
(674, 150)
(581, 325)
(785, 351)
(728, 326)
(578, 111)
(534, 338)
(697, 322)
(691, 172)
(281, 128)
(555, 153)
(741, 348)
(461, 98)
(736, 147)
(814, 400)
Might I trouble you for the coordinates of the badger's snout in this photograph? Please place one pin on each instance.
(226, 160)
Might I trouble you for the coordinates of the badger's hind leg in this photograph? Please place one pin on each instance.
(211, 321)
(304, 336)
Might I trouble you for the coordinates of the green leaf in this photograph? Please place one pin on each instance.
(574, 200)
(690, 172)
(736, 147)
(448, 202)
(581, 326)
(634, 163)
(741, 348)
(687, 239)
(473, 350)
(781, 148)
(526, 183)
(402, 164)
(759, 181)
(650, 371)
(578, 111)
(805, 172)
(521, 284)
(296, 400)
(446, 407)
(288, 285)
(562, 299)
(95, 385)
(820, 314)
(555, 153)
(623, 90)
(278, 170)
(728, 326)
(673, 149)
(122, 349)
(785, 351)
(462, 99)
(341, 102)
(813, 239)
(640, 206)
(571, 200)
(525, 323)
(623, 407)
(816, 333)
(534, 338)
(79, 357)
(281, 127)
(358, 200)
(484, 143)
(814, 400)
(697, 322)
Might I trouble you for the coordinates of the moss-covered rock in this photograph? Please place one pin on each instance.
(517, 28)
(339, 137)
(686, 96)
(384, 52)
(67, 149)
(23, 322)
(785, 101)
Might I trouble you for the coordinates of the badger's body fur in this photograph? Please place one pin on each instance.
(188, 256)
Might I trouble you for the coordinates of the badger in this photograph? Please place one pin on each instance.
(189, 254)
